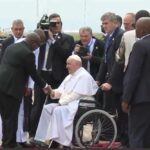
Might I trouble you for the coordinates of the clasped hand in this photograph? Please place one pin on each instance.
(106, 87)
(47, 90)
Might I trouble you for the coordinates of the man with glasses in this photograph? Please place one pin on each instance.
(51, 63)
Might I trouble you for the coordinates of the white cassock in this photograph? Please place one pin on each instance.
(56, 121)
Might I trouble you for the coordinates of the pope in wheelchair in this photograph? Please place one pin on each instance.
(56, 121)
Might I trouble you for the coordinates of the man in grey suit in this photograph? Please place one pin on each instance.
(136, 95)
(17, 64)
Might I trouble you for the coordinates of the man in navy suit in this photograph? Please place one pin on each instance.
(136, 95)
(112, 41)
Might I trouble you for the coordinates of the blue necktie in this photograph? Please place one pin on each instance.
(107, 43)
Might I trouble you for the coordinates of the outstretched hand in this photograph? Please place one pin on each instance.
(47, 90)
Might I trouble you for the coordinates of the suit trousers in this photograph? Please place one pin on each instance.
(39, 100)
(27, 111)
(9, 109)
(139, 126)
(111, 101)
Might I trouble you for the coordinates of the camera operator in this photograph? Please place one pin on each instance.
(51, 62)
(90, 49)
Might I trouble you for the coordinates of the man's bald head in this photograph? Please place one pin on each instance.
(34, 41)
(143, 27)
(41, 33)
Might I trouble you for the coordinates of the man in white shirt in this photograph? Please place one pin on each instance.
(56, 121)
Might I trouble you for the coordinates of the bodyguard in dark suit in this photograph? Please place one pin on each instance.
(112, 41)
(51, 64)
(116, 79)
(17, 64)
(136, 94)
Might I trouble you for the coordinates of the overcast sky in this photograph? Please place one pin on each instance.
(74, 13)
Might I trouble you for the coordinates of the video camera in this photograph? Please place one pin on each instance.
(45, 23)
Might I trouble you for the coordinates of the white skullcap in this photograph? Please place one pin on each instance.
(75, 57)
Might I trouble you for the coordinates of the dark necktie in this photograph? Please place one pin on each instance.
(107, 43)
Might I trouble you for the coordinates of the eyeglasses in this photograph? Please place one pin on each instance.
(53, 24)
(57, 22)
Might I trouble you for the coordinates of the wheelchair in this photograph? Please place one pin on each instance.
(93, 126)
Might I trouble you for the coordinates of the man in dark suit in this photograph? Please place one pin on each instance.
(17, 31)
(112, 41)
(17, 64)
(122, 55)
(17, 35)
(136, 95)
(90, 49)
(51, 64)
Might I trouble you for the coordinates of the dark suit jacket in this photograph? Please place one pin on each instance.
(106, 69)
(97, 55)
(17, 64)
(61, 50)
(5, 44)
(137, 77)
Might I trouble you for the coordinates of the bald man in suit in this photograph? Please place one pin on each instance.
(17, 64)
(136, 95)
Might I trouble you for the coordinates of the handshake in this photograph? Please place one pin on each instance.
(47, 89)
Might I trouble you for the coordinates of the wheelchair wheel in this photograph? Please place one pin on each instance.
(95, 127)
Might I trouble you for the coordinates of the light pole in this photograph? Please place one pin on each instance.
(37, 8)
(84, 12)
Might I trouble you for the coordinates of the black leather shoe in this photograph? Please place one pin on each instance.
(26, 145)
(54, 145)
(66, 147)
(38, 144)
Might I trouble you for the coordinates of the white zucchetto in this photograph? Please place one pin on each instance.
(75, 57)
